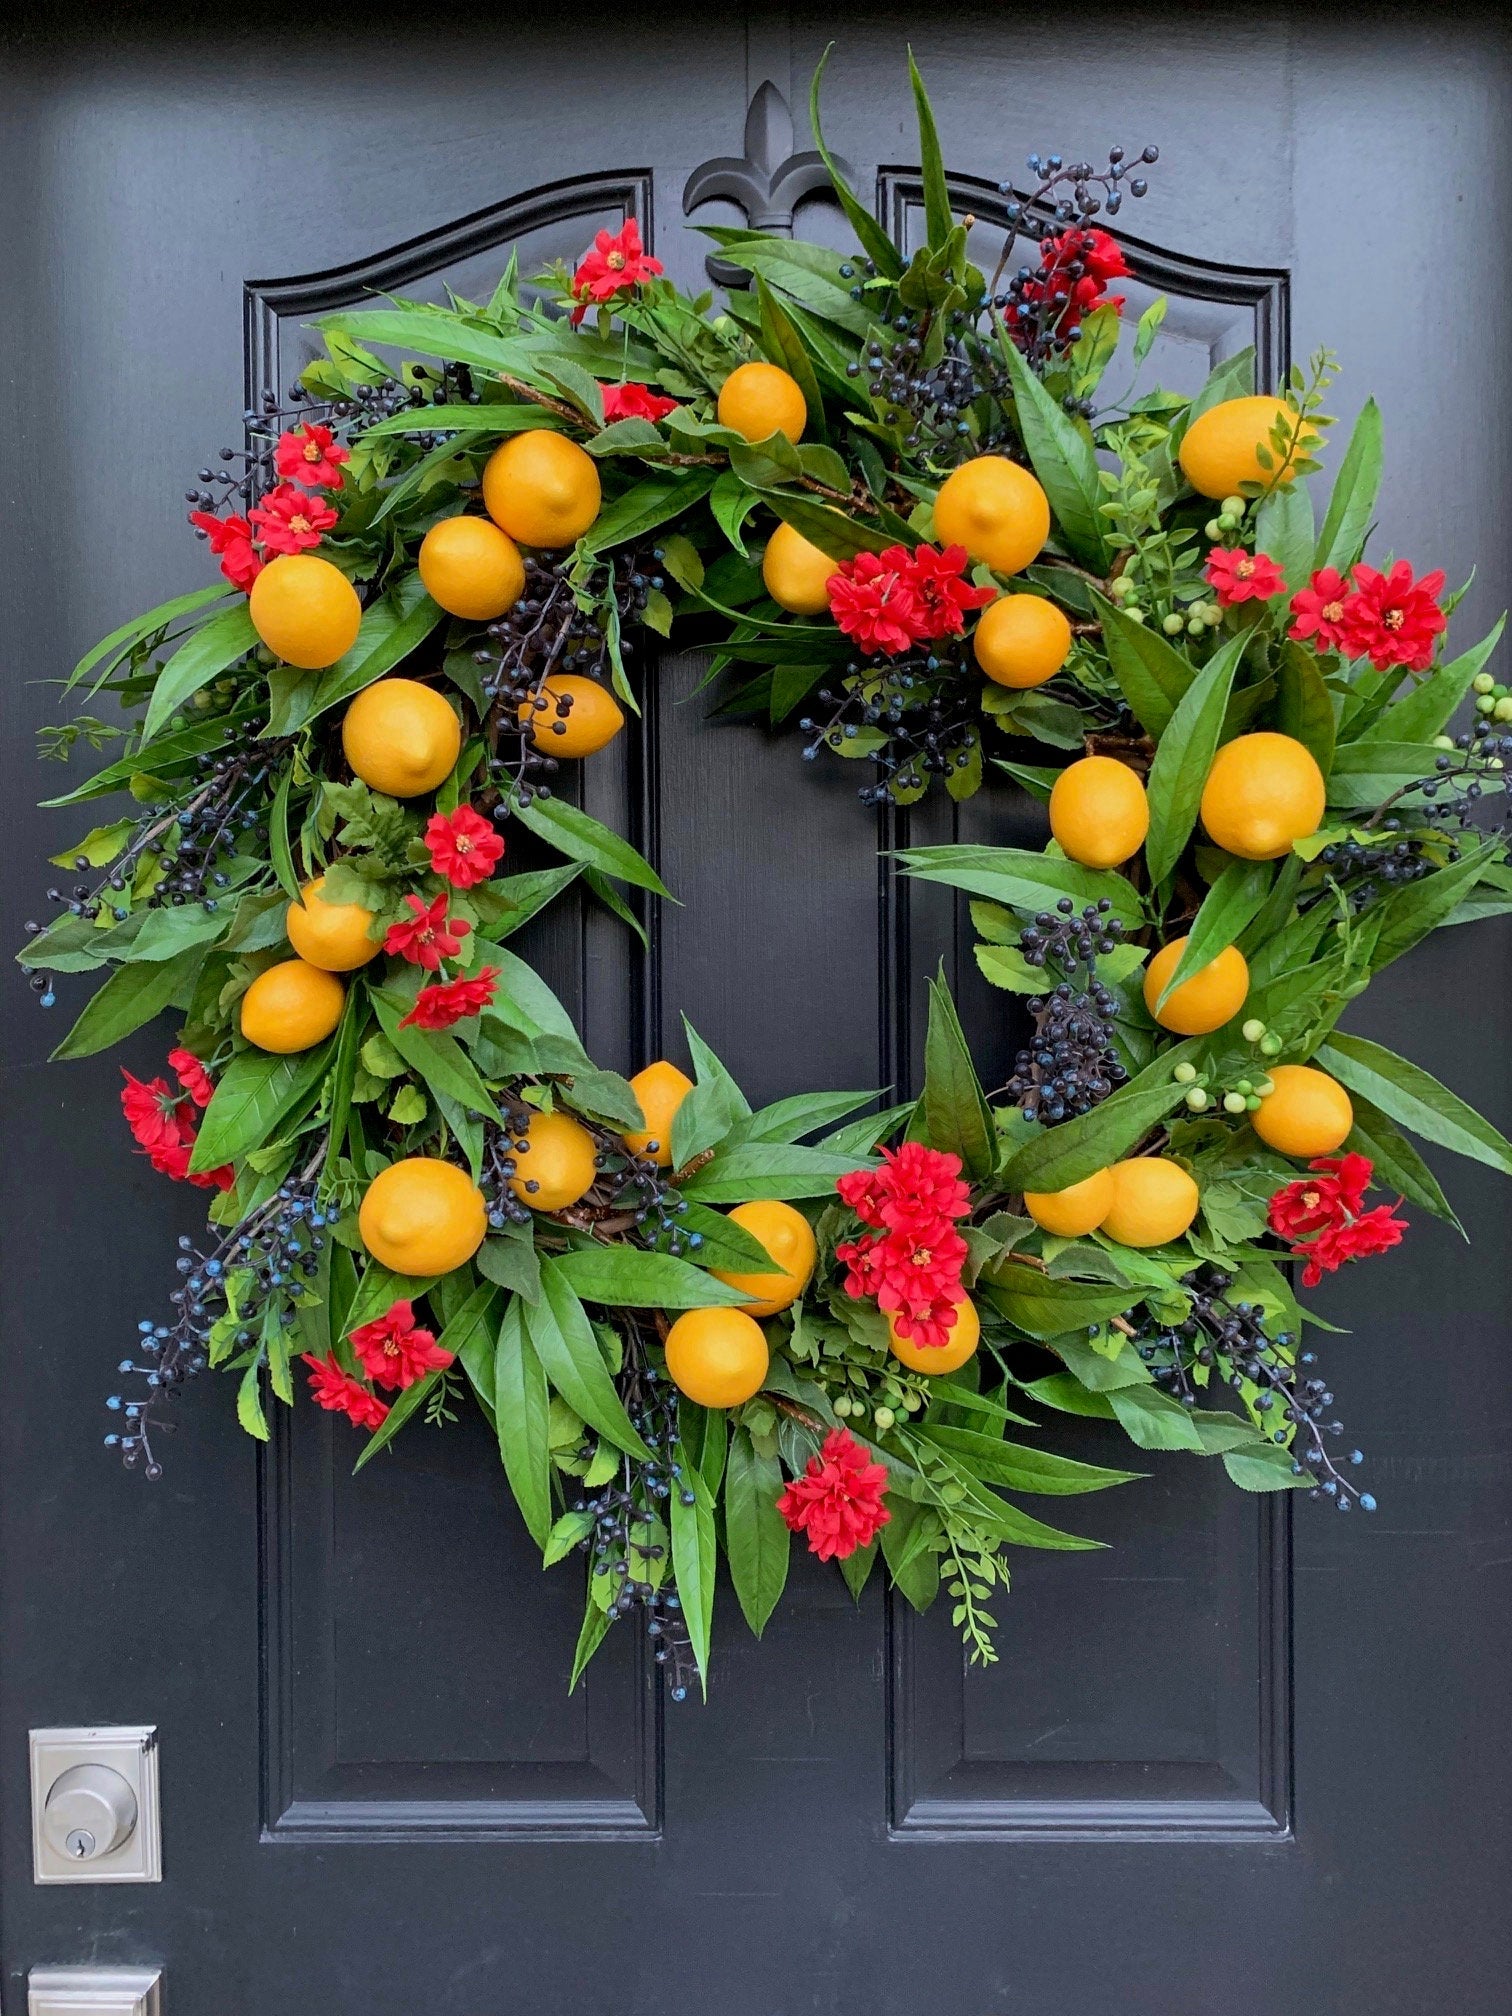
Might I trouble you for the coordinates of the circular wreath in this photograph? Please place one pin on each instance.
(890, 494)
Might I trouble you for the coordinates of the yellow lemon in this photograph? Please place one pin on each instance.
(1099, 812)
(578, 717)
(1154, 1201)
(1211, 997)
(996, 510)
(659, 1090)
(797, 574)
(965, 1333)
(788, 1237)
(422, 1217)
(1078, 1209)
(718, 1357)
(557, 1164)
(542, 489)
(1021, 640)
(1219, 449)
(305, 610)
(332, 936)
(759, 400)
(291, 1007)
(471, 568)
(401, 737)
(1308, 1113)
(1263, 792)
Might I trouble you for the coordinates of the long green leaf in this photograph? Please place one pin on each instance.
(938, 222)
(756, 1537)
(1021, 879)
(1018, 1467)
(254, 1094)
(213, 647)
(584, 838)
(1055, 1157)
(1352, 505)
(695, 1559)
(1412, 1096)
(831, 530)
(1185, 756)
(953, 1114)
(1284, 530)
(1044, 1308)
(623, 1277)
(1414, 909)
(522, 1414)
(1428, 709)
(390, 631)
(120, 641)
(751, 1169)
(870, 235)
(1398, 1165)
(436, 1057)
(132, 996)
(563, 1337)
(1304, 706)
(1151, 673)
(1227, 908)
(1062, 457)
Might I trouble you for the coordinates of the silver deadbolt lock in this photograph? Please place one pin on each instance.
(95, 1805)
(91, 1810)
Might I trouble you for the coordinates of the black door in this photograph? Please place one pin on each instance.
(1251, 1759)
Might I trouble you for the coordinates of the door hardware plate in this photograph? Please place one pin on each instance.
(93, 1991)
(131, 1752)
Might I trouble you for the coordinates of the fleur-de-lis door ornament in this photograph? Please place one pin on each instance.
(767, 182)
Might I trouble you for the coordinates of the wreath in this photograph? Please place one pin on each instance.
(890, 496)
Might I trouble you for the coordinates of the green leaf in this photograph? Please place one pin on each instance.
(624, 1277)
(1366, 773)
(522, 1412)
(595, 1630)
(1024, 880)
(1062, 457)
(1428, 709)
(1304, 706)
(1228, 906)
(953, 1114)
(120, 641)
(695, 1559)
(463, 1334)
(559, 1328)
(1352, 505)
(1284, 530)
(1053, 1158)
(1415, 909)
(862, 1136)
(255, 1093)
(648, 504)
(751, 1169)
(1043, 1307)
(1185, 756)
(1153, 1420)
(938, 222)
(1398, 1165)
(1018, 1467)
(1233, 378)
(584, 838)
(132, 996)
(279, 851)
(249, 1407)
(1152, 675)
(1264, 1468)
(509, 1258)
(391, 629)
(1415, 1099)
(213, 647)
(512, 900)
(435, 1056)
(833, 531)
(805, 1113)
(785, 348)
(870, 235)
(756, 1538)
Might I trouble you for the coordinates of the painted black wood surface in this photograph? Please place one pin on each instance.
(1251, 1760)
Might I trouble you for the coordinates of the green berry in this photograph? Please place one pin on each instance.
(1134, 615)
(1233, 1102)
(1119, 588)
(1252, 1104)
(1502, 711)
(1443, 742)
(1212, 615)
(1270, 1046)
(1482, 683)
(1233, 507)
(1195, 626)
(1227, 522)
(1184, 1073)
(842, 1407)
(1244, 1086)
(884, 1418)
(1485, 704)
(1174, 624)
(1253, 1030)
(1196, 1099)
(1213, 530)
(1499, 691)
(1264, 1087)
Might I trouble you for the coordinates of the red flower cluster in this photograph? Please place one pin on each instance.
(1237, 576)
(464, 847)
(892, 600)
(339, 1393)
(161, 1126)
(394, 1351)
(1388, 618)
(288, 520)
(911, 1263)
(428, 935)
(635, 402)
(837, 1501)
(618, 260)
(453, 1001)
(1075, 268)
(1323, 1216)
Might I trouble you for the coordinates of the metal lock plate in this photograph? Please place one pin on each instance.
(93, 1991)
(95, 1806)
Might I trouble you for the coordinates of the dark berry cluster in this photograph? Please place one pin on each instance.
(632, 1195)
(921, 704)
(1070, 1062)
(1227, 1340)
(1366, 871)
(935, 385)
(231, 1301)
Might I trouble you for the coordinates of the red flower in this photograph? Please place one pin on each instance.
(464, 847)
(290, 520)
(616, 262)
(161, 1128)
(1236, 576)
(1074, 270)
(192, 1075)
(1392, 619)
(339, 1393)
(915, 1277)
(151, 1112)
(914, 1187)
(635, 402)
(1322, 1214)
(892, 600)
(837, 1502)
(1318, 610)
(943, 592)
(311, 455)
(232, 539)
(393, 1351)
(427, 936)
(440, 1007)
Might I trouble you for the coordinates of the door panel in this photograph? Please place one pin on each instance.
(1242, 1759)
